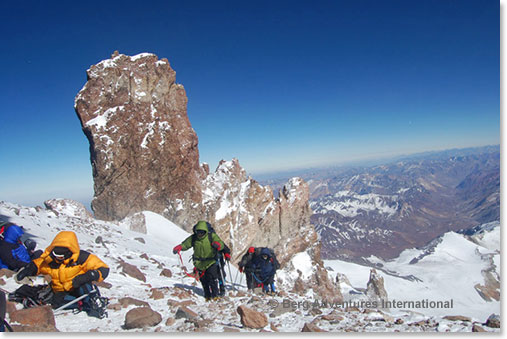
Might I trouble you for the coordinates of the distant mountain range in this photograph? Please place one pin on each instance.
(382, 210)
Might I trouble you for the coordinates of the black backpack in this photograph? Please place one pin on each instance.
(32, 296)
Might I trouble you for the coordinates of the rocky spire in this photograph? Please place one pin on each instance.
(143, 149)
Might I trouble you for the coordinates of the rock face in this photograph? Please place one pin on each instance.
(245, 213)
(143, 149)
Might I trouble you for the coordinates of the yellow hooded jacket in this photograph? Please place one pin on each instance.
(62, 274)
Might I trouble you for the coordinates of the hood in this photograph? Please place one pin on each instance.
(201, 226)
(66, 239)
(13, 233)
(266, 251)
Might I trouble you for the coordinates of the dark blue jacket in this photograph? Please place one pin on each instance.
(264, 269)
(13, 254)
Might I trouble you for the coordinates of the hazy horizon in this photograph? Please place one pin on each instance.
(278, 85)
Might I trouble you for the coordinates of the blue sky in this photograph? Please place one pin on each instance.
(277, 84)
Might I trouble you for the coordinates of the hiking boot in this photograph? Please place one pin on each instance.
(216, 298)
(96, 306)
(207, 299)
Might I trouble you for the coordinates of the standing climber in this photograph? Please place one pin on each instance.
(246, 266)
(206, 245)
(264, 269)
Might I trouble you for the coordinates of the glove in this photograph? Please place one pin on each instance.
(30, 245)
(85, 278)
(216, 245)
(227, 256)
(177, 249)
(27, 271)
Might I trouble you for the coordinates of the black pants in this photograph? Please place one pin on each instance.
(209, 281)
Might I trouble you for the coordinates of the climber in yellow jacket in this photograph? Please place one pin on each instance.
(71, 269)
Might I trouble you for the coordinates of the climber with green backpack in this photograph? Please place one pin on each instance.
(206, 246)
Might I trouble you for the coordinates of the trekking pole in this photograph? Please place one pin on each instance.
(74, 301)
(182, 267)
(230, 274)
(236, 277)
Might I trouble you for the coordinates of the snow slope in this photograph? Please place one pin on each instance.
(449, 271)
(152, 252)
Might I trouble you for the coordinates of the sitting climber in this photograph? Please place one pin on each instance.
(72, 270)
(13, 253)
(246, 266)
(264, 269)
(206, 245)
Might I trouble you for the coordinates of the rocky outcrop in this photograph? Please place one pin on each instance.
(375, 290)
(245, 213)
(143, 149)
(135, 222)
(145, 158)
(68, 207)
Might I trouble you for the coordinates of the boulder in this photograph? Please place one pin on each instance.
(457, 318)
(493, 321)
(184, 312)
(166, 273)
(309, 327)
(251, 318)
(135, 222)
(40, 317)
(156, 294)
(477, 328)
(132, 271)
(4, 272)
(127, 301)
(141, 317)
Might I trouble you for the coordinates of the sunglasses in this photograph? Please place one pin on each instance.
(200, 232)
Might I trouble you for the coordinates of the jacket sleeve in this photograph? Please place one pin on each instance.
(216, 238)
(94, 263)
(187, 243)
(7, 256)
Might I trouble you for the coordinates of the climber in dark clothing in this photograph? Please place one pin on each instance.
(264, 269)
(246, 265)
(13, 253)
